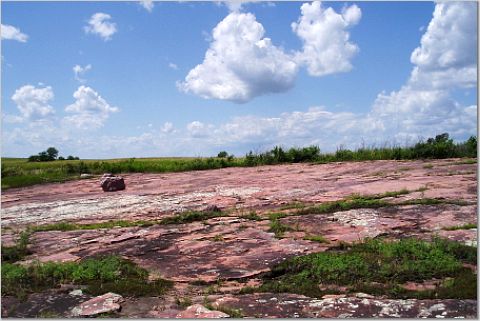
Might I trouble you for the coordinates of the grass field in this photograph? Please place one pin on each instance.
(18, 172)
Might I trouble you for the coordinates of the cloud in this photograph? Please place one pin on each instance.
(241, 63)
(79, 71)
(198, 129)
(326, 46)
(173, 66)
(89, 110)
(99, 24)
(147, 4)
(167, 128)
(11, 33)
(447, 55)
(444, 61)
(33, 102)
(422, 107)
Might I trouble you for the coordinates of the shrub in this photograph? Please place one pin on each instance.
(222, 154)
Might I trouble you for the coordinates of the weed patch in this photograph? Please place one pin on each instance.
(18, 251)
(460, 227)
(253, 216)
(183, 303)
(188, 217)
(66, 226)
(316, 238)
(100, 275)
(391, 263)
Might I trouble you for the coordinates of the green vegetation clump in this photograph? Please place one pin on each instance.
(20, 172)
(18, 251)
(388, 263)
(66, 226)
(193, 216)
(461, 227)
(316, 238)
(252, 215)
(185, 217)
(442, 146)
(278, 227)
(100, 275)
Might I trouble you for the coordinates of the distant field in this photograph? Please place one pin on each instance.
(18, 172)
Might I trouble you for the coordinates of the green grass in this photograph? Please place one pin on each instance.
(185, 217)
(252, 215)
(391, 263)
(460, 227)
(232, 312)
(17, 172)
(188, 217)
(100, 275)
(183, 303)
(279, 228)
(66, 226)
(18, 251)
(316, 238)
(218, 238)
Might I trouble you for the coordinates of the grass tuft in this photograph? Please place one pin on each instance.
(100, 275)
(18, 251)
(316, 238)
(461, 227)
(391, 263)
(193, 216)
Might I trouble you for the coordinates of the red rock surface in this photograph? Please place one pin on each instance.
(198, 311)
(108, 302)
(155, 195)
(269, 305)
(236, 250)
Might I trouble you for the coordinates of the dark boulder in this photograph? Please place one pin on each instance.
(212, 208)
(111, 183)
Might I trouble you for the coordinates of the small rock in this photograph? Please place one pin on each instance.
(212, 208)
(198, 311)
(85, 175)
(364, 295)
(76, 292)
(107, 302)
(111, 183)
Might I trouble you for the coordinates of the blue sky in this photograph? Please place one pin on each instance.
(157, 80)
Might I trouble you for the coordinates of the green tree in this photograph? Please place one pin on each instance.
(52, 153)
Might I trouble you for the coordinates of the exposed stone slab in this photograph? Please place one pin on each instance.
(268, 305)
(108, 302)
(154, 195)
(198, 311)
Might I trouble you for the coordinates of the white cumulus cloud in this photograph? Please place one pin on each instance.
(147, 4)
(33, 102)
(326, 45)
(80, 71)
(8, 32)
(89, 110)
(445, 60)
(100, 24)
(241, 63)
(167, 128)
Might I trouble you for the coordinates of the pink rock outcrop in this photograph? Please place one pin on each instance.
(108, 302)
(198, 311)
